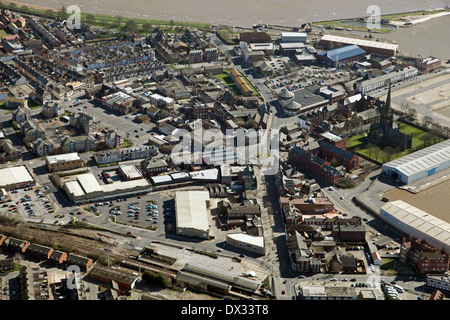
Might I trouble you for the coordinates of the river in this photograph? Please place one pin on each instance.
(242, 13)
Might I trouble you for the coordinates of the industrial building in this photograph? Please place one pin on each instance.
(15, 177)
(419, 164)
(418, 224)
(293, 37)
(191, 208)
(247, 242)
(386, 49)
(84, 188)
(342, 56)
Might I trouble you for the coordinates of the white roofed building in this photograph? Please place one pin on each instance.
(419, 164)
(192, 209)
(247, 242)
(15, 177)
(417, 223)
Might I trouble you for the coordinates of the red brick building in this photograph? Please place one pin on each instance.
(426, 258)
(315, 165)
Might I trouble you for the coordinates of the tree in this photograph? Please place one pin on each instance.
(404, 107)
(146, 27)
(389, 151)
(428, 121)
(90, 19)
(117, 22)
(412, 113)
(63, 13)
(130, 26)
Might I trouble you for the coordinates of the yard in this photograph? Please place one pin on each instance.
(420, 140)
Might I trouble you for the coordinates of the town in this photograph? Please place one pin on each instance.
(92, 121)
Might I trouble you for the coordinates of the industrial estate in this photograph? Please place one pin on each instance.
(355, 206)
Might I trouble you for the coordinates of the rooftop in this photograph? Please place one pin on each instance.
(63, 157)
(421, 160)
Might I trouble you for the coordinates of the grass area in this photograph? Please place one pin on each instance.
(225, 78)
(337, 23)
(108, 21)
(408, 14)
(420, 139)
(127, 143)
(226, 35)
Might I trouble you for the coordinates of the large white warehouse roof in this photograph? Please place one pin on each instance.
(422, 160)
(14, 175)
(191, 209)
(413, 218)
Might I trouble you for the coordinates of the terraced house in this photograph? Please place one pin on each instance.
(240, 83)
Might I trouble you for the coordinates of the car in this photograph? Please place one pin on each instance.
(333, 279)
(342, 198)
(301, 276)
(137, 136)
(352, 279)
(384, 199)
(219, 250)
(139, 197)
(149, 219)
(130, 215)
(79, 212)
(393, 282)
(14, 208)
(365, 219)
(283, 292)
(85, 107)
(71, 213)
(155, 221)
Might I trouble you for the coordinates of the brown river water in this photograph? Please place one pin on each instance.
(242, 13)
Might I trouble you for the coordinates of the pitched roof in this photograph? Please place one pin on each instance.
(343, 53)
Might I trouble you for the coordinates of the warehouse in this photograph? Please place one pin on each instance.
(341, 56)
(420, 164)
(191, 208)
(293, 37)
(15, 177)
(417, 223)
(84, 188)
(386, 49)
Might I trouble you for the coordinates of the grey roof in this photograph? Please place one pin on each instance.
(421, 160)
(286, 94)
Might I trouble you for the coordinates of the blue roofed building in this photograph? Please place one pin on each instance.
(341, 56)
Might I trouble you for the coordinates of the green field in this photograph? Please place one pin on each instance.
(420, 139)
(225, 78)
(107, 21)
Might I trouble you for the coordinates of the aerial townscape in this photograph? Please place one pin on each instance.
(164, 160)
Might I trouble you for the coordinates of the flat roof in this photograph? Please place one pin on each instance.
(246, 238)
(63, 157)
(423, 159)
(130, 171)
(191, 211)
(14, 175)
